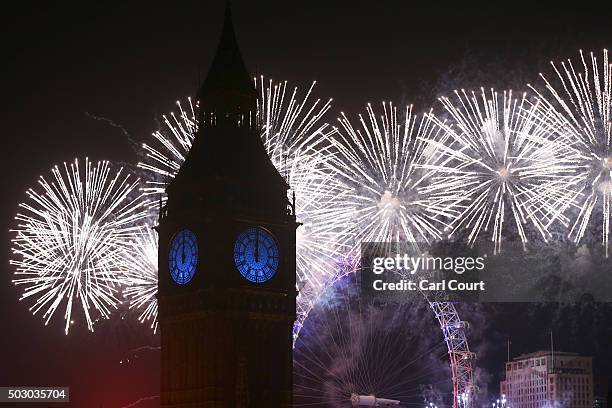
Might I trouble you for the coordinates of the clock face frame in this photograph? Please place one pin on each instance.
(256, 255)
(183, 256)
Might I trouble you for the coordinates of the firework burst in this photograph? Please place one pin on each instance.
(383, 167)
(498, 163)
(580, 97)
(70, 238)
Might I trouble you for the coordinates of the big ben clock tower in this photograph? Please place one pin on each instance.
(227, 256)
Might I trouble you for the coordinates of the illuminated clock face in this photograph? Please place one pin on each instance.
(183, 256)
(256, 255)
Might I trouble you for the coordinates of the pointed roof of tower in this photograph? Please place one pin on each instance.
(228, 85)
(228, 162)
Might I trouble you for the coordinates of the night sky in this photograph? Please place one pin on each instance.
(129, 62)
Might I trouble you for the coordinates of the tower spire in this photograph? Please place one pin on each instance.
(227, 151)
(228, 88)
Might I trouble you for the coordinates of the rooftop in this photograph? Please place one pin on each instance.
(544, 353)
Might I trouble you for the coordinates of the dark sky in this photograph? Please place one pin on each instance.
(130, 61)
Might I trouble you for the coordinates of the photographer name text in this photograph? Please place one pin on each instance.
(427, 285)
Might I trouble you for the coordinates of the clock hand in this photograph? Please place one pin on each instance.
(257, 246)
(183, 255)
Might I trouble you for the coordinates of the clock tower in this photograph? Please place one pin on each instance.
(227, 256)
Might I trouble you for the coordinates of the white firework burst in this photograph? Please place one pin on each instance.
(580, 97)
(140, 266)
(499, 163)
(384, 166)
(70, 238)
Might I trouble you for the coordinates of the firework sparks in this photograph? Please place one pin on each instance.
(383, 168)
(70, 237)
(294, 138)
(140, 265)
(174, 141)
(317, 248)
(498, 163)
(139, 400)
(289, 124)
(581, 98)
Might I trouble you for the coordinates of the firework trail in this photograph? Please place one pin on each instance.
(134, 353)
(499, 163)
(70, 238)
(139, 400)
(140, 266)
(580, 97)
(384, 167)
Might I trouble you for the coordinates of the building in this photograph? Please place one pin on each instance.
(540, 380)
(227, 256)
